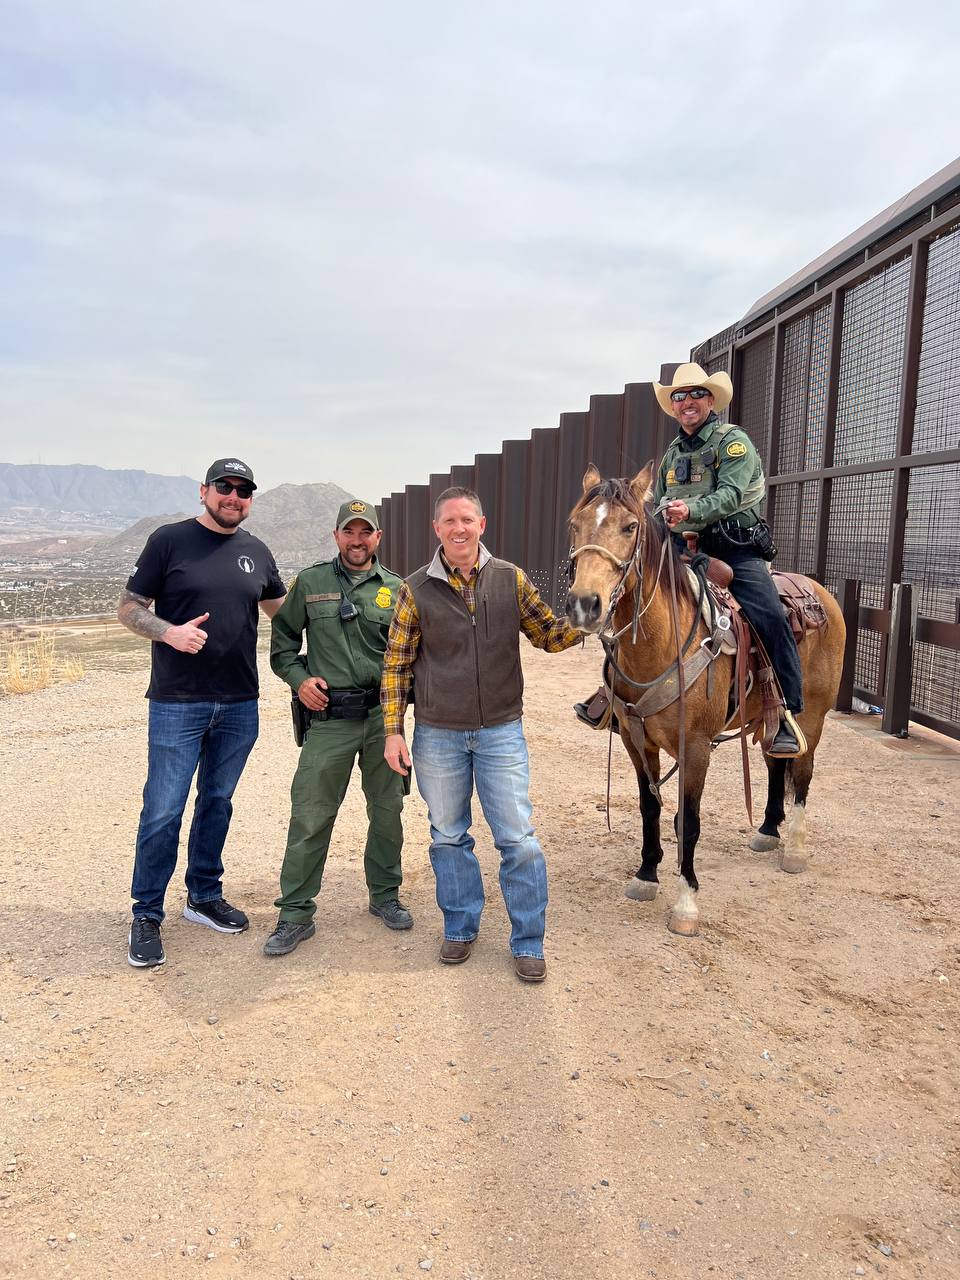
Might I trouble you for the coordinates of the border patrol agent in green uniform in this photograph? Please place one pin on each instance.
(345, 606)
(711, 482)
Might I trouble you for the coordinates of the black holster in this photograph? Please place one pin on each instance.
(301, 719)
(728, 535)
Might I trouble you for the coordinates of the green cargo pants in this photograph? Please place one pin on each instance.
(319, 785)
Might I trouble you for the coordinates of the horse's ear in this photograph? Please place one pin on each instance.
(591, 477)
(642, 483)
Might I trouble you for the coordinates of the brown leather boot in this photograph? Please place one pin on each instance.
(455, 952)
(529, 968)
(596, 711)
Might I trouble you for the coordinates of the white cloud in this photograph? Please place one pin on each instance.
(361, 245)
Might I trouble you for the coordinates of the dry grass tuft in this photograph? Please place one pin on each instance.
(31, 662)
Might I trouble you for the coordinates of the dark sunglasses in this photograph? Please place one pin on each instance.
(696, 393)
(241, 490)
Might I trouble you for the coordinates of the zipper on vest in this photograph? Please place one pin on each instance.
(476, 655)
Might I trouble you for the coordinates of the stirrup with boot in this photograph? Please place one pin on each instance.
(789, 742)
(596, 711)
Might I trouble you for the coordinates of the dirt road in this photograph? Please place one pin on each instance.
(776, 1097)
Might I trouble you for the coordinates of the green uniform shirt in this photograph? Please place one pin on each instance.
(726, 475)
(347, 654)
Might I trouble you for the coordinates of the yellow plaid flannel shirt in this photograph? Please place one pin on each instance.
(537, 622)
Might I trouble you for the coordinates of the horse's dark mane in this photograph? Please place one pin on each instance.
(621, 491)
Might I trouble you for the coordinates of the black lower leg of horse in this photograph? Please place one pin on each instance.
(652, 851)
(801, 771)
(776, 786)
(691, 834)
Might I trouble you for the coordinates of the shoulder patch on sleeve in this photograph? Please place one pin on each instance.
(736, 449)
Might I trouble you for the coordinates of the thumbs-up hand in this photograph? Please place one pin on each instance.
(188, 637)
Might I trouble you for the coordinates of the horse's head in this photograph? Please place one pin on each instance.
(606, 530)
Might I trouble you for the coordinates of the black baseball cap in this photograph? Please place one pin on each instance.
(224, 468)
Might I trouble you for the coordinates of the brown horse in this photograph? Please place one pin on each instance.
(619, 549)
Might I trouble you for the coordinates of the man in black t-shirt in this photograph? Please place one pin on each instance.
(206, 578)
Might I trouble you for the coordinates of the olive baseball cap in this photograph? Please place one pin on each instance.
(223, 468)
(357, 509)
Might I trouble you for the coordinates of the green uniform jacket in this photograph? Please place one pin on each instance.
(347, 654)
(726, 475)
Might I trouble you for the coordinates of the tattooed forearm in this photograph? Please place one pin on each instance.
(134, 612)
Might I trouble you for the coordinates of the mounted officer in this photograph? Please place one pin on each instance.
(711, 483)
(345, 606)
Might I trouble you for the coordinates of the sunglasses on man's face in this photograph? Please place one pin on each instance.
(695, 393)
(241, 490)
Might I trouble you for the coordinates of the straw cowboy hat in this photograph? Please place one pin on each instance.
(691, 375)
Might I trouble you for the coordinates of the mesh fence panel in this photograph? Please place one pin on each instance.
(937, 420)
(871, 359)
(803, 394)
(858, 533)
(856, 548)
(931, 564)
(817, 396)
(795, 520)
(809, 519)
(756, 391)
(784, 526)
(794, 388)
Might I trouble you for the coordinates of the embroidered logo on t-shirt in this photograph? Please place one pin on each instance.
(246, 564)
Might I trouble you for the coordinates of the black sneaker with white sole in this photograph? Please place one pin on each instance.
(217, 914)
(144, 945)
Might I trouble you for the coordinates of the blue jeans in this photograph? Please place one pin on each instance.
(447, 763)
(213, 740)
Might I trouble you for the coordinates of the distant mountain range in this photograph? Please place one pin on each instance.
(294, 520)
(94, 493)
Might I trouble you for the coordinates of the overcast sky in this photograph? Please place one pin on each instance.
(362, 243)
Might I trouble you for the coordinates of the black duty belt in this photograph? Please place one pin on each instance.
(744, 532)
(348, 704)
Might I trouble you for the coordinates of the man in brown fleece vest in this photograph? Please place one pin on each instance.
(456, 635)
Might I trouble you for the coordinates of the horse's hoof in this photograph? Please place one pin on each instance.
(792, 863)
(764, 844)
(641, 890)
(685, 926)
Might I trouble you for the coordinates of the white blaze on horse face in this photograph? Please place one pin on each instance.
(601, 514)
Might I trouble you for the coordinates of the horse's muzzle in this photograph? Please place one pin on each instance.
(584, 611)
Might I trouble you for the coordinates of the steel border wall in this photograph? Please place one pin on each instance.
(810, 374)
(841, 506)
